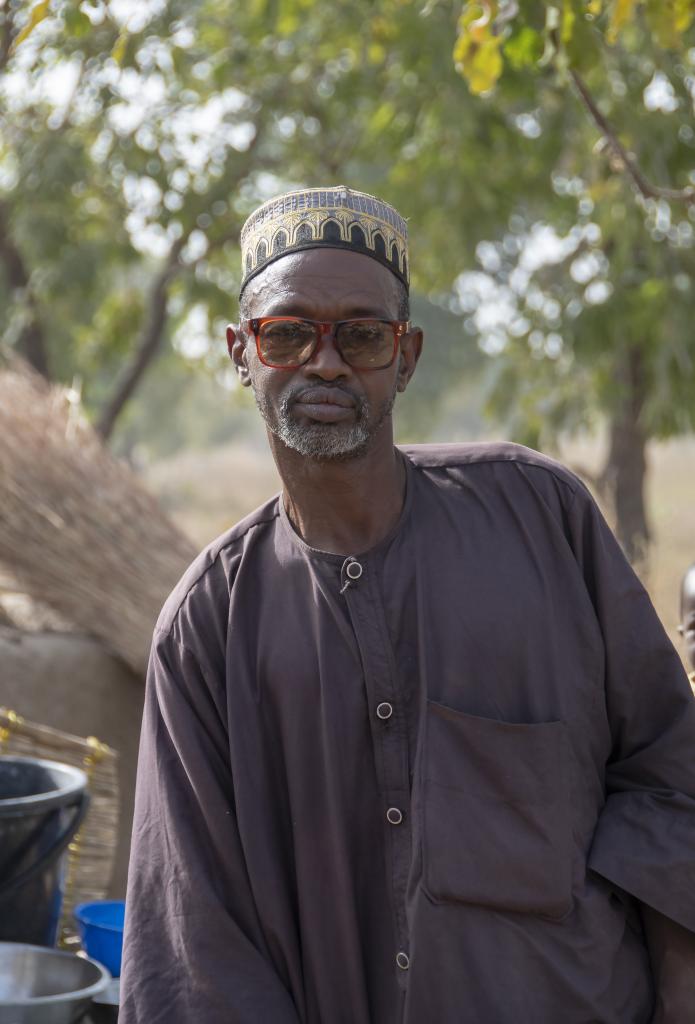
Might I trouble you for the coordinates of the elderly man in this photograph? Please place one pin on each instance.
(415, 747)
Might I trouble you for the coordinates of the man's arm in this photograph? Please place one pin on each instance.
(672, 955)
(644, 842)
(194, 948)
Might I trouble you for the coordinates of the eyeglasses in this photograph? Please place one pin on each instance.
(288, 342)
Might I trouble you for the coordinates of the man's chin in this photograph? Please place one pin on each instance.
(325, 442)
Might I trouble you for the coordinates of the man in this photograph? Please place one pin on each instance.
(416, 747)
(687, 623)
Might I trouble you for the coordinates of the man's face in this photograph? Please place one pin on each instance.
(325, 409)
(687, 626)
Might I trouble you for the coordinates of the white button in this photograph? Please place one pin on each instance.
(403, 961)
(394, 816)
(384, 710)
(354, 570)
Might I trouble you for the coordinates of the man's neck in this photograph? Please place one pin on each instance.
(343, 506)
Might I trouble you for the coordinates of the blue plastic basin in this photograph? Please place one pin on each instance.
(101, 929)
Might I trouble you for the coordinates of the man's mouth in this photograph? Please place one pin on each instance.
(327, 405)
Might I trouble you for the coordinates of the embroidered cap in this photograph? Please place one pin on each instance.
(336, 217)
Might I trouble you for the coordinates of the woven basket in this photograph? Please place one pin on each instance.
(92, 852)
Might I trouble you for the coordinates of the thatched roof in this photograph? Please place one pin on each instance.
(78, 530)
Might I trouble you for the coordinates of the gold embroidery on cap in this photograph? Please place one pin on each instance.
(325, 216)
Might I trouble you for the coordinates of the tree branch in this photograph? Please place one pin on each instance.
(152, 333)
(153, 330)
(632, 169)
(6, 37)
(148, 342)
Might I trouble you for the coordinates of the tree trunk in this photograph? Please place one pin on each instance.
(31, 342)
(624, 475)
(147, 346)
(153, 331)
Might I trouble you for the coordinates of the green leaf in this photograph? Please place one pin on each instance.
(120, 46)
(669, 20)
(38, 13)
(569, 18)
(382, 118)
(477, 51)
(623, 11)
(524, 48)
(77, 23)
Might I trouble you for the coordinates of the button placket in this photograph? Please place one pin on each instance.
(390, 743)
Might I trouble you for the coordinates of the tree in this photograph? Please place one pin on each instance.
(123, 191)
(125, 187)
(619, 320)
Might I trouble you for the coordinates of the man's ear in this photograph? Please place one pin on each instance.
(411, 347)
(236, 346)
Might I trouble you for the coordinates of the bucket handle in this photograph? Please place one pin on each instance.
(81, 807)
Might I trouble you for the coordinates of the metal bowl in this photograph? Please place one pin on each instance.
(46, 986)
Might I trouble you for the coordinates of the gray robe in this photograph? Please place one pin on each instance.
(427, 782)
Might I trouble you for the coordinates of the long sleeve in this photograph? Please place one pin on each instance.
(194, 948)
(645, 838)
(672, 958)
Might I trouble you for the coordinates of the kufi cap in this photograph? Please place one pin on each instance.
(336, 217)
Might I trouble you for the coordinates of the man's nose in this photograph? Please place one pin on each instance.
(327, 362)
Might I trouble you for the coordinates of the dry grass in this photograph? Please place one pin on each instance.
(672, 506)
(206, 492)
(78, 531)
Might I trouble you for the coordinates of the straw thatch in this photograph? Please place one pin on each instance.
(78, 530)
(92, 851)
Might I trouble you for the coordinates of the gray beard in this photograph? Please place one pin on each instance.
(324, 441)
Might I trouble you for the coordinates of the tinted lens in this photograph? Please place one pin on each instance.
(366, 344)
(286, 342)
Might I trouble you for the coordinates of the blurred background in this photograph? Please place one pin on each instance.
(544, 155)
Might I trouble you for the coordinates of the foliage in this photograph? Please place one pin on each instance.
(136, 138)
(565, 33)
(629, 279)
(129, 128)
(598, 327)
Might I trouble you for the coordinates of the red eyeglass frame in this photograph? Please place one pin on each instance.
(399, 327)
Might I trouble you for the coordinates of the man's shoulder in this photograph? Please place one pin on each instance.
(491, 454)
(203, 590)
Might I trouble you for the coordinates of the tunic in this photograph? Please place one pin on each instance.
(429, 781)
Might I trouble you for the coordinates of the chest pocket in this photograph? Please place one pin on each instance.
(496, 813)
